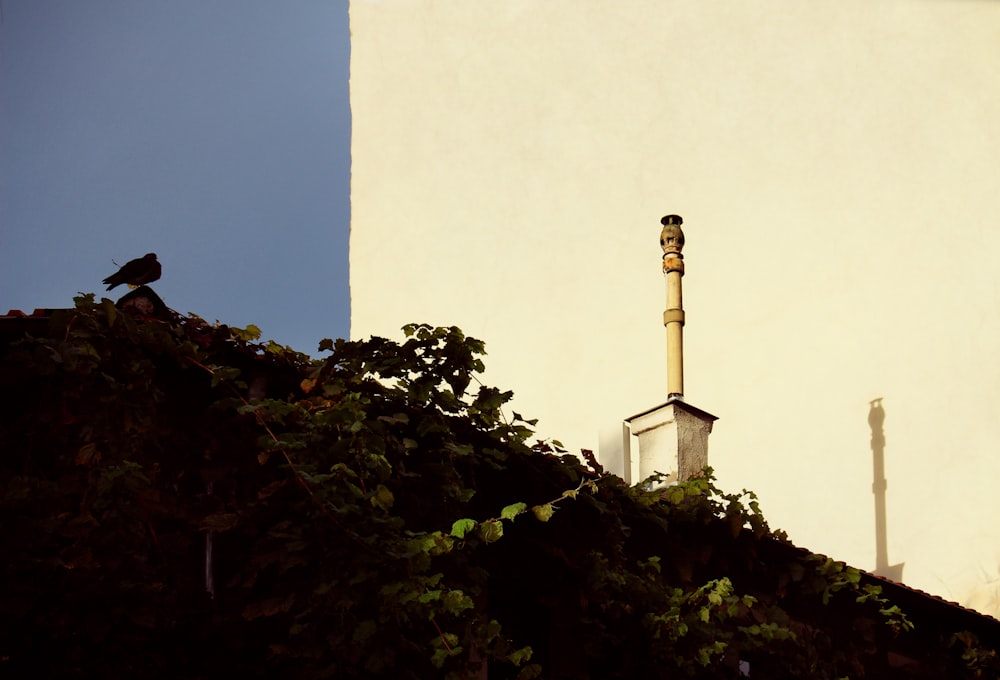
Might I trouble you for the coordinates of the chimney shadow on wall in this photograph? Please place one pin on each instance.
(876, 421)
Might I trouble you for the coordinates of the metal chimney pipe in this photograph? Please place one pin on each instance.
(672, 243)
(673, 437)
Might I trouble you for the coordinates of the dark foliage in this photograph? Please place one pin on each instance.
(180, 501)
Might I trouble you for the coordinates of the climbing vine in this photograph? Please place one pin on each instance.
(180, 499)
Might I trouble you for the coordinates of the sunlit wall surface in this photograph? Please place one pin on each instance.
(836, 165)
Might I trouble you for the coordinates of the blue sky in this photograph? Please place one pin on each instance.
(214, 133)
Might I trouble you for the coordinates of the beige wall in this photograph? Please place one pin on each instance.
(836, 165)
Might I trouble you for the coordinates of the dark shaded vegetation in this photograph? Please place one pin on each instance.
(178, 500)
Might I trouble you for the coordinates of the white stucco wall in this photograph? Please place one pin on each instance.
(836, 165)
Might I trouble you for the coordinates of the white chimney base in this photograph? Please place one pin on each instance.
(673, 440)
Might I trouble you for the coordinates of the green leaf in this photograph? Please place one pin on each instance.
(519, 656)
(543, 512)
(530, 672)
(429, 596)
(382, 498)
(462, 526)
(652, 564)
(455, 602)
(675, 494)
(223, 373)
(439, 657)
(460, 449)
(109, 310)
(492, 531)
(513, 510)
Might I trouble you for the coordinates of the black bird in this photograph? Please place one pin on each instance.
(137, 272)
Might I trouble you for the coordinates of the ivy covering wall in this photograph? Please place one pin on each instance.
(179, 500)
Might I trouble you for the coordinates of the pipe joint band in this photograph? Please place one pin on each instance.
(673, 264)
(672, 315)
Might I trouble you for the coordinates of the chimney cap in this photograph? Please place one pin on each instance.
(672, 219)
(681, 404)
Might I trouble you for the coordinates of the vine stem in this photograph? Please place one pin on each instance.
(441, 635)
(69, 326)
(444, 641)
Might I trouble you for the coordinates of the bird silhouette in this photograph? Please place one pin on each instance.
(137, 272)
